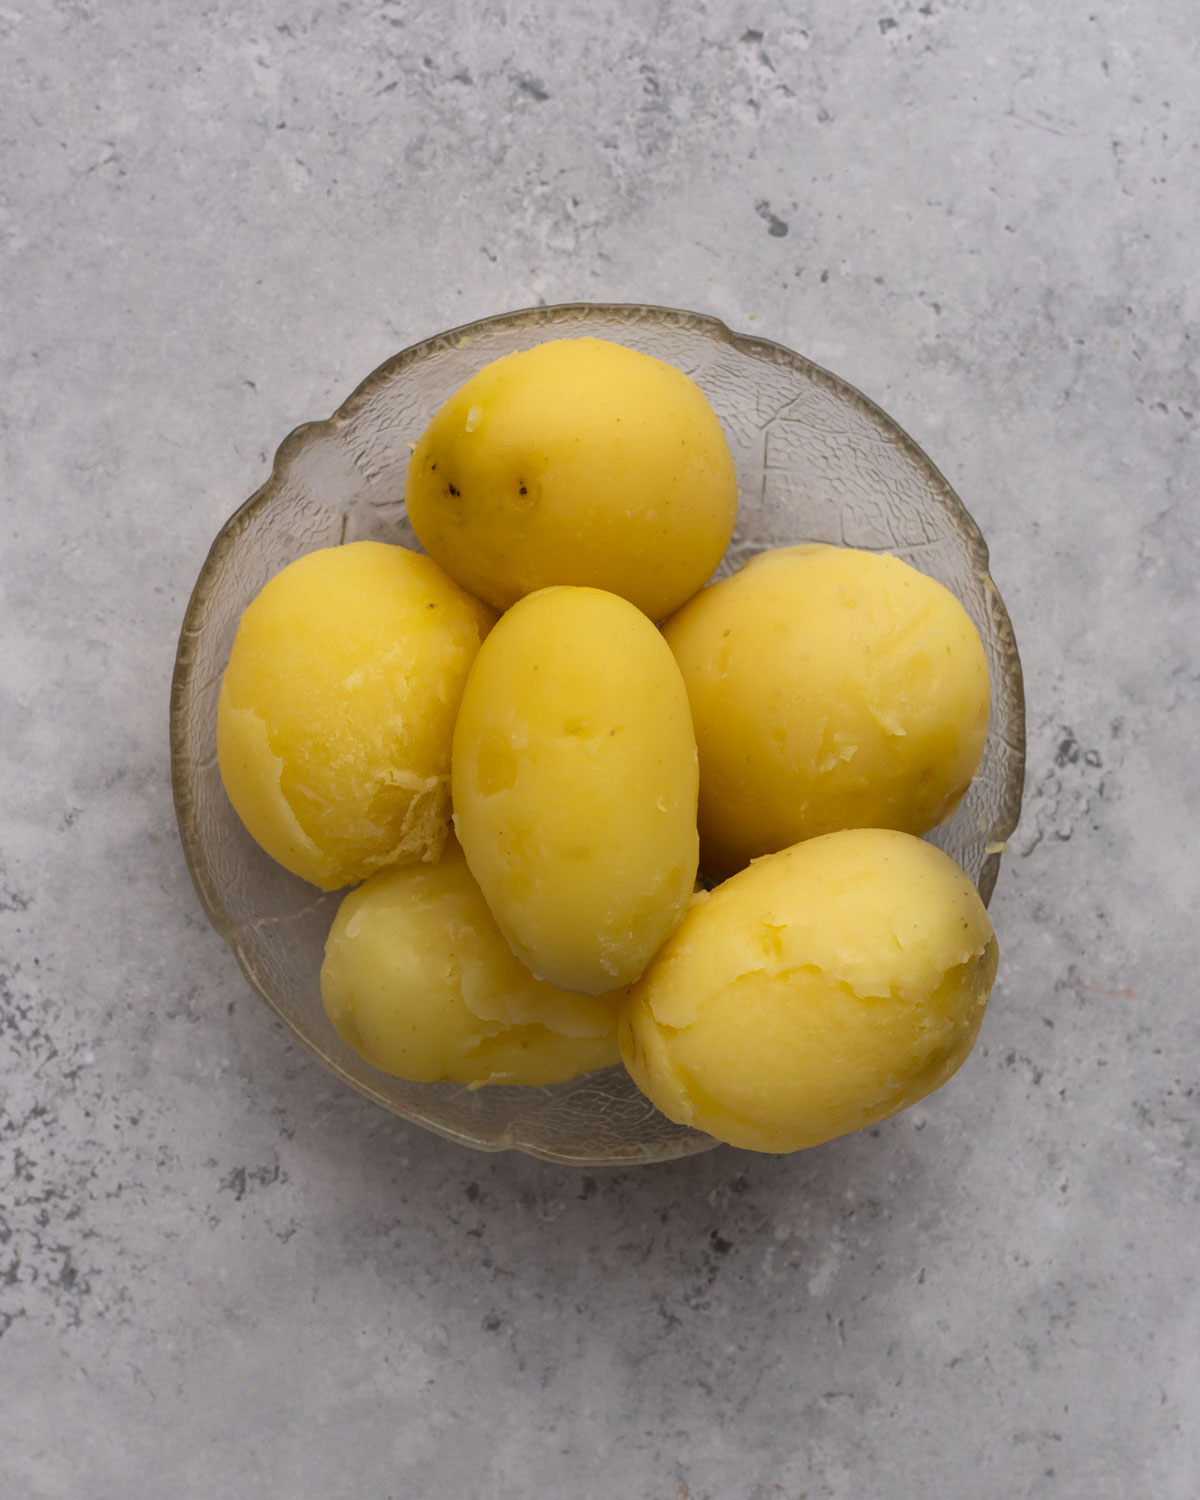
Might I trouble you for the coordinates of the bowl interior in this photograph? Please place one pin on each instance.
(816, 461)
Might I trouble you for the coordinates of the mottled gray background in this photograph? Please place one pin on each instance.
(221, 1274)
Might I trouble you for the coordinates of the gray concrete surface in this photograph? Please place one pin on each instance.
(220, 1274)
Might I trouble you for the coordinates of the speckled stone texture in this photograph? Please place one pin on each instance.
(221, 1274)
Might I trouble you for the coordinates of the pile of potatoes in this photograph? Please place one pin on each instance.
(535, 750)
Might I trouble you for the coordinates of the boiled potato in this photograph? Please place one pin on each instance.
(830, 688)
(574, 781)
(337, 708)
(578, 461)
(824, 988)
(418, 980)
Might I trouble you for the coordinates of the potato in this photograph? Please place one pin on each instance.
(337, 708)
(578, 461)
(823, 989)
(419, 981)
(830, 688)
(574, 781)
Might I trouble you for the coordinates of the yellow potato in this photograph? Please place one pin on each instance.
(337, 708)
(574, 780)
(578, 461)
(419, 981)
(823, 989)
(830, 688)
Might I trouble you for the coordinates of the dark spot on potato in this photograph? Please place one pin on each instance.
(453, 490)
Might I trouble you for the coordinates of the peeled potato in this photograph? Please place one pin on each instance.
(574, 780)
(822, 989)
(337, 709)
(419, 981)
(578, 461)
(830, 688)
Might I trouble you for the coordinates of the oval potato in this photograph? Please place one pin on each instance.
(337, 708)
(822, 989)
(830, 688)
(574, 783)
(579, 461)
(419, 981)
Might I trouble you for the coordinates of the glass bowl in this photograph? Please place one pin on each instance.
(816, 460)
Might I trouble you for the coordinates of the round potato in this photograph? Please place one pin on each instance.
(830, 688)
(574, 781)
(578, 461)
(823, 989)
(337, 709)
(419, 981)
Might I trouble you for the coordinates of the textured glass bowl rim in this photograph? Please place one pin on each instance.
(1010, 687)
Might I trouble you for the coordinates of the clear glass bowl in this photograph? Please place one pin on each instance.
(816, 461)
